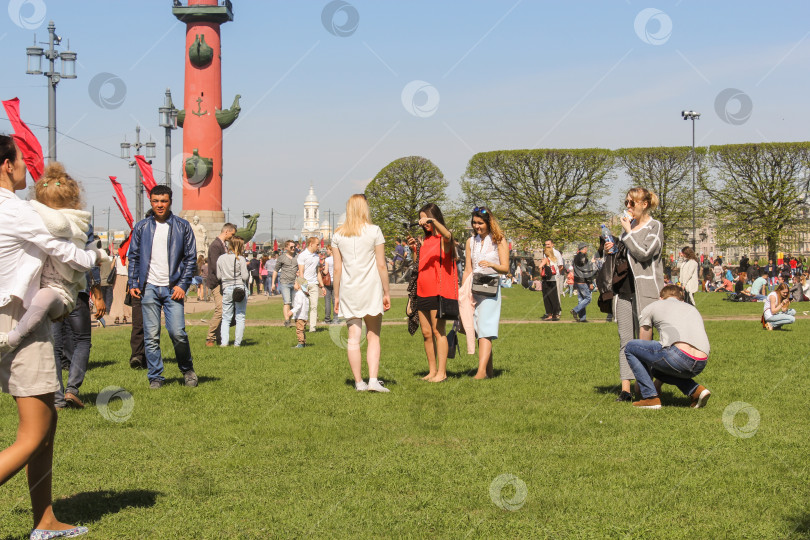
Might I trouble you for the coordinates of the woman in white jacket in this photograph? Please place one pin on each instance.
(233, 274)
(689, 274)
(29, 372)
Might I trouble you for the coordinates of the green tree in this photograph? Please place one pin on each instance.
(668, 173)
(539, 194)
(760, 193)
(400, 189)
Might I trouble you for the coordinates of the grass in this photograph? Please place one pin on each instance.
(519, 305)
(275, 443)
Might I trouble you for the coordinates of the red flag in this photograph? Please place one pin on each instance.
(122, 250)
(25, 139)
(121, 201)
(146, 172)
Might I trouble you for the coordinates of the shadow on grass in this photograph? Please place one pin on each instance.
(91, 506)
(386, 382)
(201, 379)
(802, 526)
(100, 364)
(607, 389)
(667, 397)
(467, 373)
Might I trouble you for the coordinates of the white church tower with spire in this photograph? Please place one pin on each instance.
(312, 218)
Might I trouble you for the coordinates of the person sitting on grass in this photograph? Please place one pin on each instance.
(760, 286)
(739, 288)
(679, 356)
(300, 311)
(777, 308)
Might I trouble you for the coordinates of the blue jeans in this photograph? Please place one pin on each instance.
(584, 291)
(286, 290)
(670, 365)
(329, 308)
(71, 340)
(154, 299)
(781, 319)
(228, 306)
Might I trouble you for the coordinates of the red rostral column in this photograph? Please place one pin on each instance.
(202, 118)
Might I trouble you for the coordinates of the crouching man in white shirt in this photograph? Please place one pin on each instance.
(681, 354)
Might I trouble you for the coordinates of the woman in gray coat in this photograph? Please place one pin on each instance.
(643, 237)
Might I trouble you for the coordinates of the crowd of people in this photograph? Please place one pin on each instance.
(49, 273)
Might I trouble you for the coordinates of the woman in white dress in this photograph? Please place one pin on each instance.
(689, 274)
(360, 286)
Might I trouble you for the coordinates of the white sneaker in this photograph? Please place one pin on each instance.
(361, 386)
(4, 346)
(377, 386)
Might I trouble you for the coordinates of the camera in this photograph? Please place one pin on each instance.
(409, 226)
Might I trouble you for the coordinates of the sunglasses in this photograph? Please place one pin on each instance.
(480, 210)
(630, 202)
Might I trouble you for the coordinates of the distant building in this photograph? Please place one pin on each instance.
(312, 218)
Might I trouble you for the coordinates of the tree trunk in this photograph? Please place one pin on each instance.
(771, 242)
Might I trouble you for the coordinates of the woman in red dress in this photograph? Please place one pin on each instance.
(438, 277)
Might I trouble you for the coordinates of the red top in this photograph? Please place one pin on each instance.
(436, 280)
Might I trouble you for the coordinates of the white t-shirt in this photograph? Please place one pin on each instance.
(767, 308)
(310, 262)
(330, 264)
(159, 265)
(120, 268)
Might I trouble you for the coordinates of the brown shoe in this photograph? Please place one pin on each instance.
(649, 403)
(72, 400)
(210, 344)
(700, 396)
(658, 384)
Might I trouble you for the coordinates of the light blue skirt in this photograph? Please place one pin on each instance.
(487, 315)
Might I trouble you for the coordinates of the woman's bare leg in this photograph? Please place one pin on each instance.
(34, 448)
(430, 349)
(353, 348)
(373, 327)
(484, 358)
(439, 336)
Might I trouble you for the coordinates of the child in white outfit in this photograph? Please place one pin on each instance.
(57, 202)
(300, 311)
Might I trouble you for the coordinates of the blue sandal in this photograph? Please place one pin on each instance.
(44, 534)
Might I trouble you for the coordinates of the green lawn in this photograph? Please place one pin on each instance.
(522, 305)
(275, 443)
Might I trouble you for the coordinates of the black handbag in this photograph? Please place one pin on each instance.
(238, 293)
(452, 344)
(448, 308)
(111, 276)
(486, 285)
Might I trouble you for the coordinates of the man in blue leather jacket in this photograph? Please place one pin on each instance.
(162, 261)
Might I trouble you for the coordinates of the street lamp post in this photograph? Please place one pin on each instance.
(168, 120)
(34, 67)
(692, 115)
(107, 211)
(149, 154)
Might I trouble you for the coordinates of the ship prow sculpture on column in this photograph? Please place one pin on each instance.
(203, 117)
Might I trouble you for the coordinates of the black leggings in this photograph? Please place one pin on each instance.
(551, 299)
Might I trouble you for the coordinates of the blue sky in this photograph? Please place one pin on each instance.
(326, 109)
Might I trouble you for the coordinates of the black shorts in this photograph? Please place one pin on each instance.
(430, 303)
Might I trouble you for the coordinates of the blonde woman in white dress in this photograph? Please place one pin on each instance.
(360, 286)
